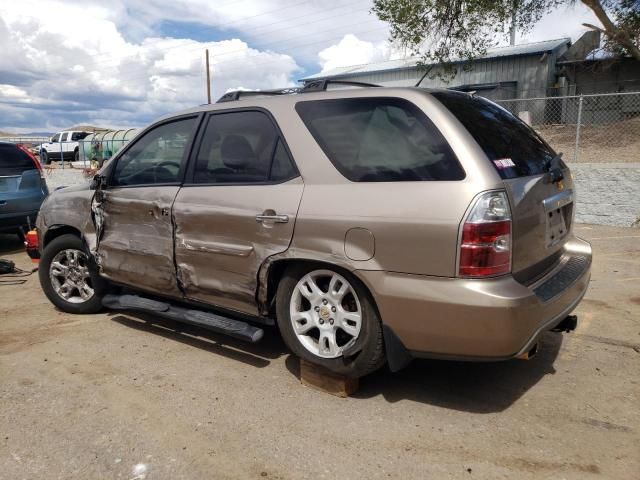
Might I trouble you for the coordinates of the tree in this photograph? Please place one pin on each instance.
(442, 31)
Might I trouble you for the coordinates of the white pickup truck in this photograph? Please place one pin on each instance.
(62, 146)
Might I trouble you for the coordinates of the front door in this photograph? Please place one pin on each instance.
(133, 212)
(238, 208)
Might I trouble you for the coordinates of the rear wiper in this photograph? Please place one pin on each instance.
(554, 169)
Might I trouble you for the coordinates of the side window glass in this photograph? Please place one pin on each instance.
(55, 138)
(156, 157)
(282, 167)
(65, 137)
(238, 147)
(380, 140)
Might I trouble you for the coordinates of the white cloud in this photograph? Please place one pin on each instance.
(79, 75)
(90, 61)
(353, 51)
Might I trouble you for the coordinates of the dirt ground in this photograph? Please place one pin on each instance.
(127, 397)
(617, 142)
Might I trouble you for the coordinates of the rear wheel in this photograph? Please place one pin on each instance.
(328, 318)
(76, 156)
(69, 277)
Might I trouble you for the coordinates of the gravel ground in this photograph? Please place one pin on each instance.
(63, 177)
(122, 396)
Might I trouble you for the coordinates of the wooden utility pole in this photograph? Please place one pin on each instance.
(208, 78)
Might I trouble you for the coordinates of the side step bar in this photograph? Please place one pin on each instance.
(217, 323)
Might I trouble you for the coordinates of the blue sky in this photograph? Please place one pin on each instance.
(67, 62)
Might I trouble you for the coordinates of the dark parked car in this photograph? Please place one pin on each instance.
(22, 188)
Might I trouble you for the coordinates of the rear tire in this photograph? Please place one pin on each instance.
(338, 330)
(76, 156)
(69, 276)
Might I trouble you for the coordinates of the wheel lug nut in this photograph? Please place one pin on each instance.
(331, 321)
(321, 322)
(317, 309)
(333, 309)
(324, 302)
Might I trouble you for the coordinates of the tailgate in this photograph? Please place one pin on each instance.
(542, 217)
(542, 211)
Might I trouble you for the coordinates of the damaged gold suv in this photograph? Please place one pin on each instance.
(367, 224)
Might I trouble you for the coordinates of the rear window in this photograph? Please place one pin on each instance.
(380, 140)
(514, 148)
(12, 157)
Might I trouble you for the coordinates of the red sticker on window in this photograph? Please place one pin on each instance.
(503, 163)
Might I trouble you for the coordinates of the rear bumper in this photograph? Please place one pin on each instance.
(10, 222)
(470, 319)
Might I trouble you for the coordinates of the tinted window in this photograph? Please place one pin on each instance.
(380, 140)
(75, 136)
(11, 157)
(155, 157)
(65, 137)
(55, 138)
(242, 147)
(514, 148)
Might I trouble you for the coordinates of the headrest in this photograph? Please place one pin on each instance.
(236, 152)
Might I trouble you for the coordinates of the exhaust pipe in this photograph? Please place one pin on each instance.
(567, 325)
(529, 354)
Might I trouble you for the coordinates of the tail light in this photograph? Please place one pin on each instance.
(35, 161)
(485, 245)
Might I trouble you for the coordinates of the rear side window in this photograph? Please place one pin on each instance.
(514, 148)
(75, 136)
(11, 157)
(380, 140)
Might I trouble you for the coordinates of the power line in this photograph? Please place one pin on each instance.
(99, 60)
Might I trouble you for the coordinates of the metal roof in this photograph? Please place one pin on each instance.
(411, 62)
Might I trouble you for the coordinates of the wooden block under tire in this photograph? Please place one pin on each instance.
(321, 379)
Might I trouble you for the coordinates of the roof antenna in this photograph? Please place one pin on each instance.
(423, 76)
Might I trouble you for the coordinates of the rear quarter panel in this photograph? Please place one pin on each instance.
(414, 224)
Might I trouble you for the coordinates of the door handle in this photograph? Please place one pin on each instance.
(272, 218)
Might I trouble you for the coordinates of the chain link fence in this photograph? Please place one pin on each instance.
(603, 128)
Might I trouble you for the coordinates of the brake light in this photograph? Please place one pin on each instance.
(485, 245)
(35, 161)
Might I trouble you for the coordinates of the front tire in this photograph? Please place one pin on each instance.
(44, 158)
(328, 318)
(69, 277)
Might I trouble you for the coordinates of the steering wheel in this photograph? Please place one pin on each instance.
(168, 163)
(163, 166)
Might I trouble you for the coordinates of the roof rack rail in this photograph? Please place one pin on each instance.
(321, 85)
(236, 94)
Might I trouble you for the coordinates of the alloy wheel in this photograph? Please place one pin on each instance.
(69, 275)
(325, 313)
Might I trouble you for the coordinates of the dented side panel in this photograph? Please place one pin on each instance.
(136, 245)
(71, 207)
(220, 245)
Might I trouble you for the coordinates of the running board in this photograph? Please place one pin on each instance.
(217, 323)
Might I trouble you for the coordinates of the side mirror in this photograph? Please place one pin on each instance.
(98, 182)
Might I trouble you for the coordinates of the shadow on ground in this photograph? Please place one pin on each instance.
(257, 355)
(10, 243)
(476, 387)
(464, 386)
(471, 387)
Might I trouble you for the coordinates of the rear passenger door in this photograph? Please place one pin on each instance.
(237, 208)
